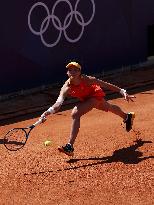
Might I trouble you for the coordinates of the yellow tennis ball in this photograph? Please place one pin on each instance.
(47, 143)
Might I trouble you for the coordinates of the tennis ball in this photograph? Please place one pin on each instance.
(47, 143)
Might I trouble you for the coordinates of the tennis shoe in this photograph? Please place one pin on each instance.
(129, 121)
(67, 149)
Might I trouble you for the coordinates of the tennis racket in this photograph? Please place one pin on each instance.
(16, 138)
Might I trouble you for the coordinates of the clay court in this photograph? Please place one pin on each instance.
(110, 166)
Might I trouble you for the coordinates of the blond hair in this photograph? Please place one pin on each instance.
(73, 64)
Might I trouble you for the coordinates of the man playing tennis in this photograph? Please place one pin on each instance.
(91, 95)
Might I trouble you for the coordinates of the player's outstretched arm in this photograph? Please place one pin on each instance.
(57, 105)
(112, 87)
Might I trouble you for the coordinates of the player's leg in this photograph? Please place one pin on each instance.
(106, 106)
(127, 117)
(79, 110)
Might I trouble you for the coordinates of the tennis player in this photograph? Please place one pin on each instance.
(89, 91)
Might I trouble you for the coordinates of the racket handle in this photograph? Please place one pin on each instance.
(37, 123)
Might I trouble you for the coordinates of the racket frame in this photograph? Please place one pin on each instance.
(31, 127)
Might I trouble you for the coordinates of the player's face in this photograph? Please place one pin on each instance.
(73, 72)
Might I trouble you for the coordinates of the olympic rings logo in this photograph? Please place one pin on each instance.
(57, 23)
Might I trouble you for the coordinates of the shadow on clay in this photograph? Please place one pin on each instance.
(128, 155)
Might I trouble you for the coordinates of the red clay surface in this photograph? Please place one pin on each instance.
(110, 166)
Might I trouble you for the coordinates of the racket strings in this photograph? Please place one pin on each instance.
(15, 139)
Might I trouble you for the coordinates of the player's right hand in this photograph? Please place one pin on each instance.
(43, 119)
(44, 115)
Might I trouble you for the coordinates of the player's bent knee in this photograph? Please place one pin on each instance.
(75, 114)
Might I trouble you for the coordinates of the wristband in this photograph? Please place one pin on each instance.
(123, 92)
(60, 100)
(51, 110)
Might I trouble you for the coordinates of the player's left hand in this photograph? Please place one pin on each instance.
(126, 96)
(129, 97)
